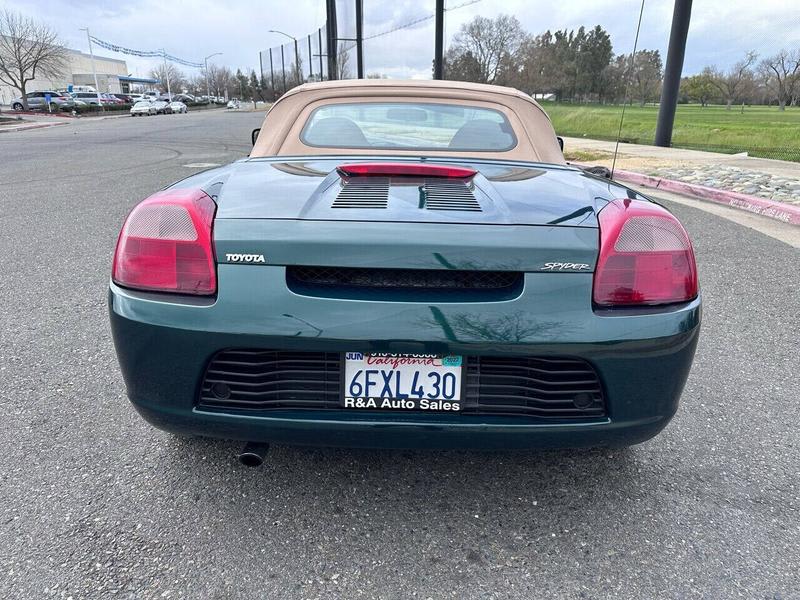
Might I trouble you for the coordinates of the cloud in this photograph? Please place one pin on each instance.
(721, 31)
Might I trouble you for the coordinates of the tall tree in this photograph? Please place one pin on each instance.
(593, 54)
(490, 42)
(701, 87)
(645, 75)
(28, 49)
(781, 75)
(736, 81)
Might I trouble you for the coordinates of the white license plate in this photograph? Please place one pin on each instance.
(402, 382)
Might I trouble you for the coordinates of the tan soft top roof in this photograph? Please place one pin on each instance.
(280, 132)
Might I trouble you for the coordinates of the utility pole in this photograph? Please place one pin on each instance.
(208, 87)
(166, 74)
(94, 71)
(438, 52)
(681, 16)
(360, 39)
(333, 42)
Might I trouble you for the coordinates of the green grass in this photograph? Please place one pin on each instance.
(760, 130)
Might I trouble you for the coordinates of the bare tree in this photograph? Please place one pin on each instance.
(490, 42)
(28, 49)
(342, 62)
(177, 80)
(738, 80)
(781, 74)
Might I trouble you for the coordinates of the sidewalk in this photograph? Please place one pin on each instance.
(775, 180)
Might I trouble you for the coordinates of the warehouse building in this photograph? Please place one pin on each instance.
(112, 76)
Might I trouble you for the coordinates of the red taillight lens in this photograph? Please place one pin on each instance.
(165, 244)
(646, 257)
(389, 169)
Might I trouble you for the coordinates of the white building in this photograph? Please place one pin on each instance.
(112, 76)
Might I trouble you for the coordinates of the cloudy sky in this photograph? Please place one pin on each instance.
(721, 32)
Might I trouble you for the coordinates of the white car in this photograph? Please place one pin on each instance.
(233, 104)
(143, 107)
(178, 107)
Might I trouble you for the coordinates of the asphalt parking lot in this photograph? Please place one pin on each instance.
(96, 504)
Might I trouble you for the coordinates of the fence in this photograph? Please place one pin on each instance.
(550, 60)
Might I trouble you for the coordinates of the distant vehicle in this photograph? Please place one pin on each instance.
(178, 107)
(233, 103)
(183, 98)
(143, 108)
(111, 99)
(88, 97)
(124, 97)
(137, 97)
(38, 101)
(151, 94)
(162, 107)
(83, 88)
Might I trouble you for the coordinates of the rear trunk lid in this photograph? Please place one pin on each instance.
(509, 216)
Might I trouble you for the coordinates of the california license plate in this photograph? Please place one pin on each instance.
(402, 381)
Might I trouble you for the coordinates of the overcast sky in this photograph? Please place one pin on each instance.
(721, 32)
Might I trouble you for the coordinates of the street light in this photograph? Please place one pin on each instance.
(296, 53)
(205, 60)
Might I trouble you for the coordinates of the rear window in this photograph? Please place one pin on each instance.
(409, 126)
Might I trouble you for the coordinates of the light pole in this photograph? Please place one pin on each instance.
(205, 60)
(94, 71)
(296, 54)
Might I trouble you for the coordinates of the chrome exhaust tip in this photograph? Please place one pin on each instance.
(252, 455)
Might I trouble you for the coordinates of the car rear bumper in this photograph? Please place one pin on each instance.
(643, 360)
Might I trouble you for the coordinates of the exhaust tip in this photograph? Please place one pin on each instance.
(252, 455)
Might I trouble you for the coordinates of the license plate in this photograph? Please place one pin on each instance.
(402, 382)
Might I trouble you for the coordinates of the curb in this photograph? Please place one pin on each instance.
(13, 128)
(780, 211)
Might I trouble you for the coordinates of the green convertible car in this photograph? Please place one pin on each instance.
(405, 264)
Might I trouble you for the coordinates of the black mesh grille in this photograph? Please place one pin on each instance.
(409, 279)
(534, 387)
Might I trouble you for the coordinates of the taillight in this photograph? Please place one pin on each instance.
(165, 244)
(646, 257)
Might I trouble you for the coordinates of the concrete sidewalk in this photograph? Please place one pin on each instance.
(774, 180)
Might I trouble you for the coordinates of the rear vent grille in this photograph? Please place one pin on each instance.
(267, 379)
(411, 279)
(363, 192)
(557, 388)
(447, 194)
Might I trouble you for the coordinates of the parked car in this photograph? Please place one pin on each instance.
(162, 107)
(90, 98)
(233, 103)
(126, 99)
(111, 99)
(184, 98)
(38, 101)
(143, 108)
(405, 264)
(178, 107)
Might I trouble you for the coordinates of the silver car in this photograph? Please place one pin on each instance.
(144, 108)
(178, 107)
(38, 100)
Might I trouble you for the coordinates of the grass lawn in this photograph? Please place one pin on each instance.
(760, 130)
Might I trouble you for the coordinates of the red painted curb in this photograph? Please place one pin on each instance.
(780, 211)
